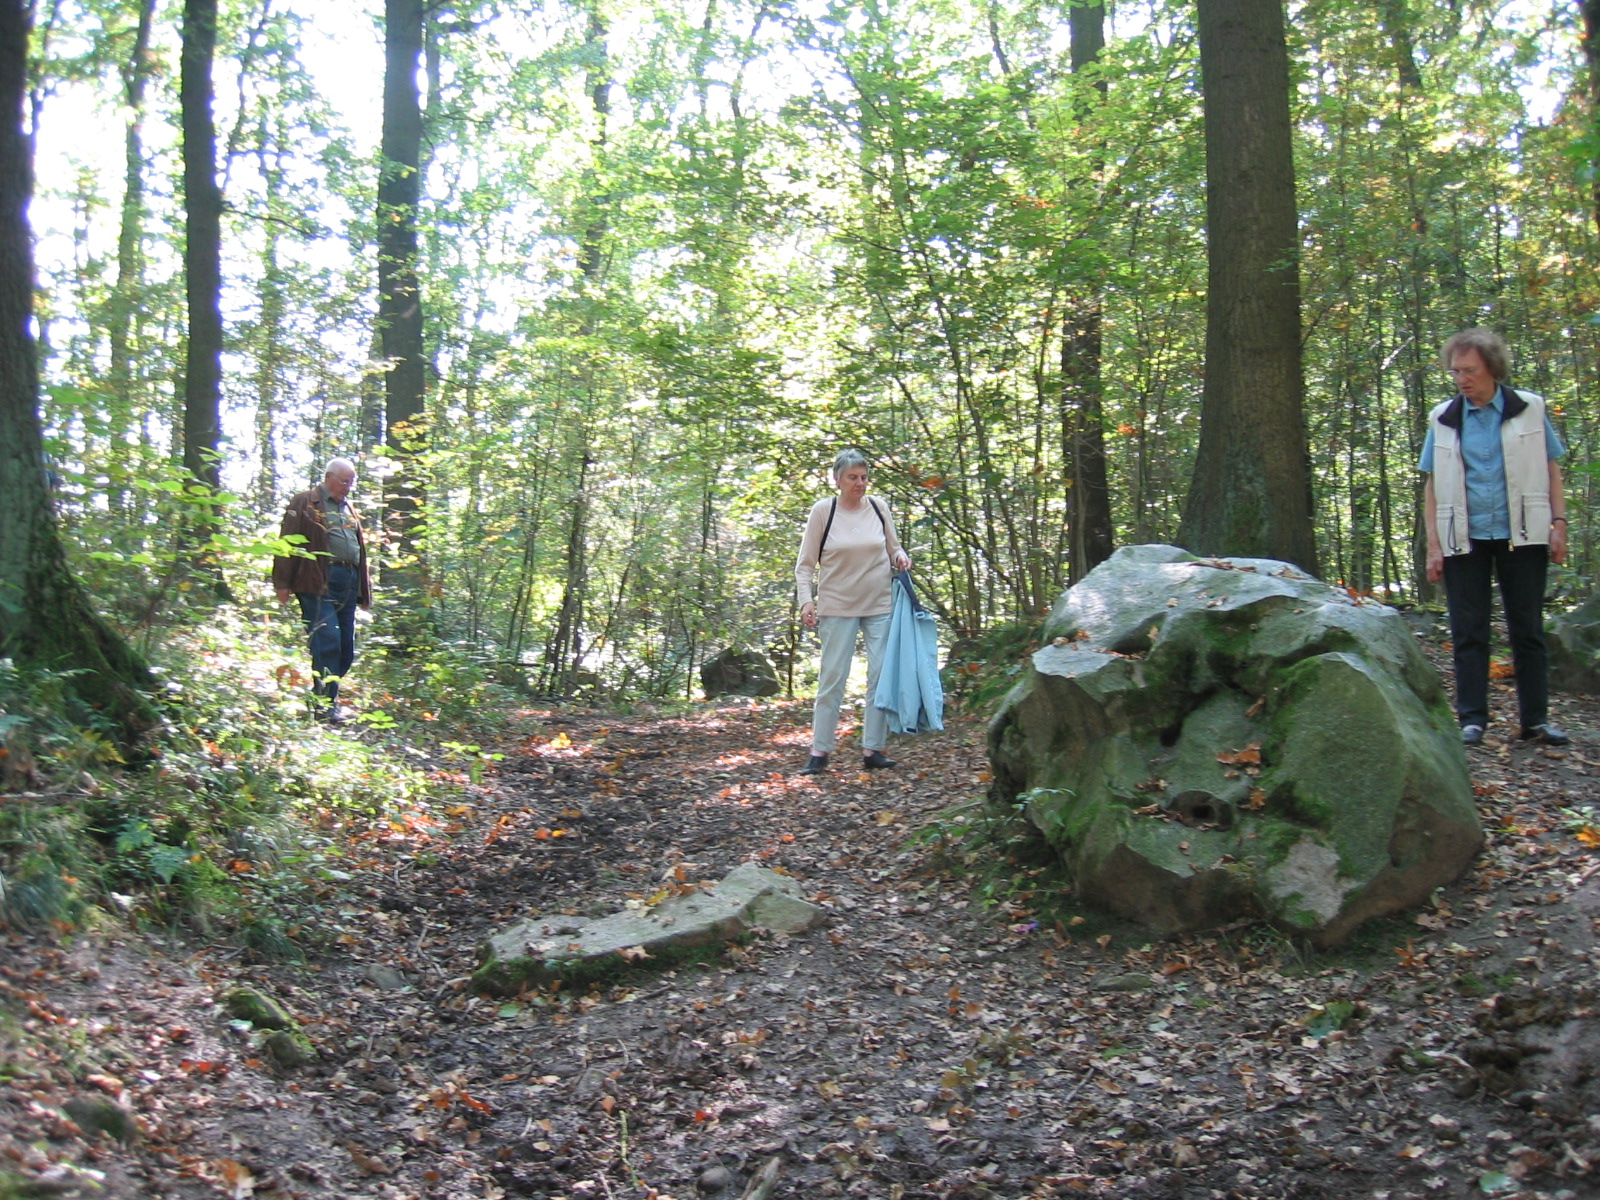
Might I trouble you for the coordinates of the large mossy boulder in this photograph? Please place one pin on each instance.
(1574, 641)
(1204, 740)
(739, 671)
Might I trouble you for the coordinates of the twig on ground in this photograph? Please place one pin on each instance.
(1073, 1094)
(760, 1187)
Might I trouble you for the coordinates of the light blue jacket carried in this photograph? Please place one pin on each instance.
(909, 690)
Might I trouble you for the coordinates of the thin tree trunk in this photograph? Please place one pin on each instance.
(202, 201)
(1591, 48)
(270, 368)
(564, 649)
(122, 307)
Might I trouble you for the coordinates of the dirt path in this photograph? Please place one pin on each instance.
(928, 1042)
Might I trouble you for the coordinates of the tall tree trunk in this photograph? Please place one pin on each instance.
(1251, 491)
(270, 367)
(564, 648)
(1091, 533)
(122, 307)
(1591, 48)
(400, 325)
(202, 201)
(45, 617)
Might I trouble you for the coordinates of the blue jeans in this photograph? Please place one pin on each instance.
(1468, 580)
(331, 627)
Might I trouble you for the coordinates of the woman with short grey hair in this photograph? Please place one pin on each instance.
(849, 554)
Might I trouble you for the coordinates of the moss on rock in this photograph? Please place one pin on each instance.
(1205, 739)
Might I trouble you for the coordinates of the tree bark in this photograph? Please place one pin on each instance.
(202, 202)
(1091, 532)
(1251, 491)
(45, 617)
(400, 313)
(1591, 49)
(123, 304)
(564, 647)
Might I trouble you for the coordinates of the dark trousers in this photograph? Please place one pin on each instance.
(1468, 580)
(331, 627)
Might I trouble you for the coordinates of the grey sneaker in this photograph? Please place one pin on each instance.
(1472, 735)
(1546, 734)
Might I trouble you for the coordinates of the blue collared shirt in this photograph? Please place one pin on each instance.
(1483, 459)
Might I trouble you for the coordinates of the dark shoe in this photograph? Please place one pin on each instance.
(1472, 735)
(877, 760)
(1546, 734)
(815, 765)
(337, 715)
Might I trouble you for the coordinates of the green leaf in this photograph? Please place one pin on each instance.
(135, 835)
(1332, 1016)
(1495, 1181)
(167, 861)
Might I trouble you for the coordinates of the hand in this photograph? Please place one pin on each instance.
(902, 561)
(808, 614)
(283, 595)
(1435, 564)
(1558, 542)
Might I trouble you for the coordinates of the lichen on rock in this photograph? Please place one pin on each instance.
(1203, 740)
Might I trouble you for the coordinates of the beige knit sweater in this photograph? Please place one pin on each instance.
(854, 576)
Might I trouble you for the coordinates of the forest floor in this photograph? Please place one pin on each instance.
(939, 1037)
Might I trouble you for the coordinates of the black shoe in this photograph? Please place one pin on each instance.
(1546, 734)
(1472, 735)
(877, 760)
(815, 765)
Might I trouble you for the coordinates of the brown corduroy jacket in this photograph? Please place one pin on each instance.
(310, 575)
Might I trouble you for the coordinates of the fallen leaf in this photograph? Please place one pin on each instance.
(237, 1178)
(369, 1164)
(1249, 756)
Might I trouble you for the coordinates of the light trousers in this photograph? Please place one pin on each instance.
(838, 636)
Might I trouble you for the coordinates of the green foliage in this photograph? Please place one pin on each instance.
(650, 326)
(233, 829)
(1011, 867)
(44, 860)
(1327, 1018)
(983, 669)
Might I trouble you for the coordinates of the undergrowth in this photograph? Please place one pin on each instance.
(982, 669)
(246, 823)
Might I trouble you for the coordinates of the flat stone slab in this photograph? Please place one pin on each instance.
(536, 950)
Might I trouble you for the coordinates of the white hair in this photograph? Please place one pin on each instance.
(848, 459)
(335, 464)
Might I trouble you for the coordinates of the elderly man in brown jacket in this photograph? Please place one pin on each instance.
(331, 583)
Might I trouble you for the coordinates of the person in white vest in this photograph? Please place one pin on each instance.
(1495, 509)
